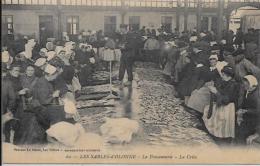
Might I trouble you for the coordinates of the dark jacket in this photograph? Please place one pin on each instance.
(16, 83)
(43, 91)
(251, 102)
(28, 82)
(227, 92)
(8, 96)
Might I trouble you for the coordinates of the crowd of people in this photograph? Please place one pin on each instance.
(218, 81)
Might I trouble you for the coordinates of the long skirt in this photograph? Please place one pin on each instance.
(221, 124)
(85, 75)
(199, 99)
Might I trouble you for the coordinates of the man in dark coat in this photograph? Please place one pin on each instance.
(8, 93)
(239, 38)
(127, 59)
(8, 101)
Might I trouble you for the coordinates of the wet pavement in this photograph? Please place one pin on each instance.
(150, 101)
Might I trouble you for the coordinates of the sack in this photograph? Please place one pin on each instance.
(65, 133)
(119, 130)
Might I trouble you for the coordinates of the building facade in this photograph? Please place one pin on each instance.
(52, 17)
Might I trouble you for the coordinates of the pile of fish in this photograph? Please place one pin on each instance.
(146, 74)
(93, 106)
(95, 103)
(146, 65)
(102, 77)
(96, 88)
(164, 120)
(93, 118)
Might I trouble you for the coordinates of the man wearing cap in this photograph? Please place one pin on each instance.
(239, 38)
(8, 101)
(230, 37)
(127, 59)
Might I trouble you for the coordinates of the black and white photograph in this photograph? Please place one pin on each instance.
(130, 81)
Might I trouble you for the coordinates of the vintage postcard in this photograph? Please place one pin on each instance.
(130, 81)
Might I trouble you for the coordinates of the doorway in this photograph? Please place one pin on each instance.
(46, 28)
(109, 25)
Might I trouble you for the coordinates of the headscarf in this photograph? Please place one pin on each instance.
(51, 55)
(50, 46)
(193, 38)
(220, 66)
(213, 56)
(59, 49)
(212, 43)
(202, 35)
(252, 80)
(50, 69)
(40, 62)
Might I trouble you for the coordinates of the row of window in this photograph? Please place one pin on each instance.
(46, 23)
(30, 2)
(7, 25)
(130, 3)
(110, 23)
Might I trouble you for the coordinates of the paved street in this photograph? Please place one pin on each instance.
(152, 103)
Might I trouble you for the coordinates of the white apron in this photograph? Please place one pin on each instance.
(222, 122)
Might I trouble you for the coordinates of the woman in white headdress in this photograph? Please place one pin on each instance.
(201, 97)
(219, 116)
(48, 97)
(249, 108)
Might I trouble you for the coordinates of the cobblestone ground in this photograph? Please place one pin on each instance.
(162, 119)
